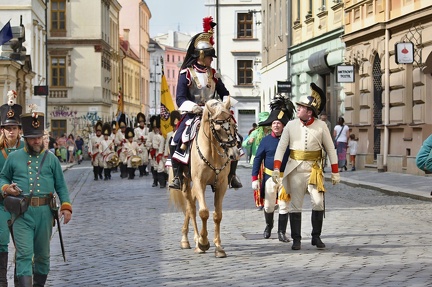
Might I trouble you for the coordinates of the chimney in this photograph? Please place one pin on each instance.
(126, 35)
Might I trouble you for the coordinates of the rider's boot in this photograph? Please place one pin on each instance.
(233, 180)
(178, 173)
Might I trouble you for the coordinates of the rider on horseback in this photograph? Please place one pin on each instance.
(197, 84)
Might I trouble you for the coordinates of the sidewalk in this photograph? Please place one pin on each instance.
(413, 186)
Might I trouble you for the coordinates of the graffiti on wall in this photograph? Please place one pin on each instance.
(91, 117)
(63, 112)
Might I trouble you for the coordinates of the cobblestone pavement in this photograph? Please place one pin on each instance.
(124, 233)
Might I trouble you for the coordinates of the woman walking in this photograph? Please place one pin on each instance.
(341, 135)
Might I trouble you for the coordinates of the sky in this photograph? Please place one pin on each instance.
(176, 15)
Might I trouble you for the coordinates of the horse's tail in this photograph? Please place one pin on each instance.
(176, 197)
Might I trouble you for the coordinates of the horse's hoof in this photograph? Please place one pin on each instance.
(185, 245)
(204, 247)
(199, 251)
(219, 252)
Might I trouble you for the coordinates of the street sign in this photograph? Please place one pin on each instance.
(345, 74)
(41, 90)
(283, 87)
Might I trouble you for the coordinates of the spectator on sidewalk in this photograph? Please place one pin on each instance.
(79, 143)
(341, 135)
(352, 144)
(424, 156)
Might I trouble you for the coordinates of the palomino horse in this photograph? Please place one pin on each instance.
(211, 153)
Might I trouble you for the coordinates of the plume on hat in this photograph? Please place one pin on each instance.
(283, 103)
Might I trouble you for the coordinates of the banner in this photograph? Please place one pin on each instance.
(167, 106)
(120, 106)
(6, 33)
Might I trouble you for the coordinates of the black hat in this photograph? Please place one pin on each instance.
(10, 112)
(129, 133)
(155, 122)
(316, 101)
(106, 129)
(175, 117)
(114, 125)
(33, 124)
(98, 126)
(122, 121)
(282, 110)
(201, 45)
(141, 118)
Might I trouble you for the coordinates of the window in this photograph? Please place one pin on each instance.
(167, 58)
(244, 25)
(244, 72)
(58, 128)
(58, 15)
(58, 71)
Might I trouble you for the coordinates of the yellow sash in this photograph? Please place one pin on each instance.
(317, 175)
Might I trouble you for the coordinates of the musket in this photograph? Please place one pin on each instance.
(54, 209)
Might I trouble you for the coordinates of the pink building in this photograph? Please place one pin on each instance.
(172, 63)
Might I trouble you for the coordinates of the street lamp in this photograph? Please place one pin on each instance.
(155, 74)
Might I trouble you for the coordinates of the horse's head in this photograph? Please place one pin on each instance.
(222, 125)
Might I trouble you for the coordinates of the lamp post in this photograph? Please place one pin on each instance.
(155, 74)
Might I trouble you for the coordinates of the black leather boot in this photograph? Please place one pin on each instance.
(100, 172)
(131, 172)
(317, 221)
(161, 178)
(269, 224)
(155, 178)
(282, 225)
(178, 173)
(233, 180)
(3, 269)
(123, 171)
(39, 280)
(295, 222)
(106, 174)
(96, 172)
(25, 281)
(141, 170)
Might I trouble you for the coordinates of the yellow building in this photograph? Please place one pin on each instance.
(388, 105)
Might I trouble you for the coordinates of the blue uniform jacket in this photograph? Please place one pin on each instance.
(265, 152)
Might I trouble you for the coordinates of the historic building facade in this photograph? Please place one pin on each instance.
(388, 105)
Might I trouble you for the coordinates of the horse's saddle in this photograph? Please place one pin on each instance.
(191, 129)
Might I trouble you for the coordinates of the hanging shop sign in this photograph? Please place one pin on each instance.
(404, 53)
(345, 74)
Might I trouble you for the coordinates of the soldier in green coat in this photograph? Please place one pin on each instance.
(33, 229)
(10, 141)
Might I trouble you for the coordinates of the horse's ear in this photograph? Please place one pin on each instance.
(227, 102)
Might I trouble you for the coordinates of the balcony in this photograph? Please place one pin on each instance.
(58, 93)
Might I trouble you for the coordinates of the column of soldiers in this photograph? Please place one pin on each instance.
(142, 148)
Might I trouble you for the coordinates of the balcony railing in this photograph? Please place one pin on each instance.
(56, 93)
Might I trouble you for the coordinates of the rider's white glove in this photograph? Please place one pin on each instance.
(197, 109)
(276, 176)
(255, 184)
(335, 177)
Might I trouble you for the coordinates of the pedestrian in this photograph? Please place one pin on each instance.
(70, 143)
(341, 135)
(79, 143)
(61, 144)
(52, 141)
(278, 118)
(10, 141)
(352, 144)
(306, 136)
(424, 156)
(198, 82)
(38, 179)
(252, 141)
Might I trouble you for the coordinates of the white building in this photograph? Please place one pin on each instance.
(32, 71)
(238, 47)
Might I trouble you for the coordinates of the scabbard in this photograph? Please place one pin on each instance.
(61, 237)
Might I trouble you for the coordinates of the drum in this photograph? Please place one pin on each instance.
(136, 161)
(112, 159)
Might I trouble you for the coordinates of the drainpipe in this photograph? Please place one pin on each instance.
(386, 88)
(217, 35)
(46, 62)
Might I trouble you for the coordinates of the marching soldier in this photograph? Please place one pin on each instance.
(95, 151)
(156, 145)
(119, 141)
(141, 134)
(130, 152)
(107, 150)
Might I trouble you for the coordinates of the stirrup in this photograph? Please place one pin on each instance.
(235, 182)
(176, 183)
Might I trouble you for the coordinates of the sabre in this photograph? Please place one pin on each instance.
(54, 209)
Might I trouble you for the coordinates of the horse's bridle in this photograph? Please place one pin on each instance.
(232, 139)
